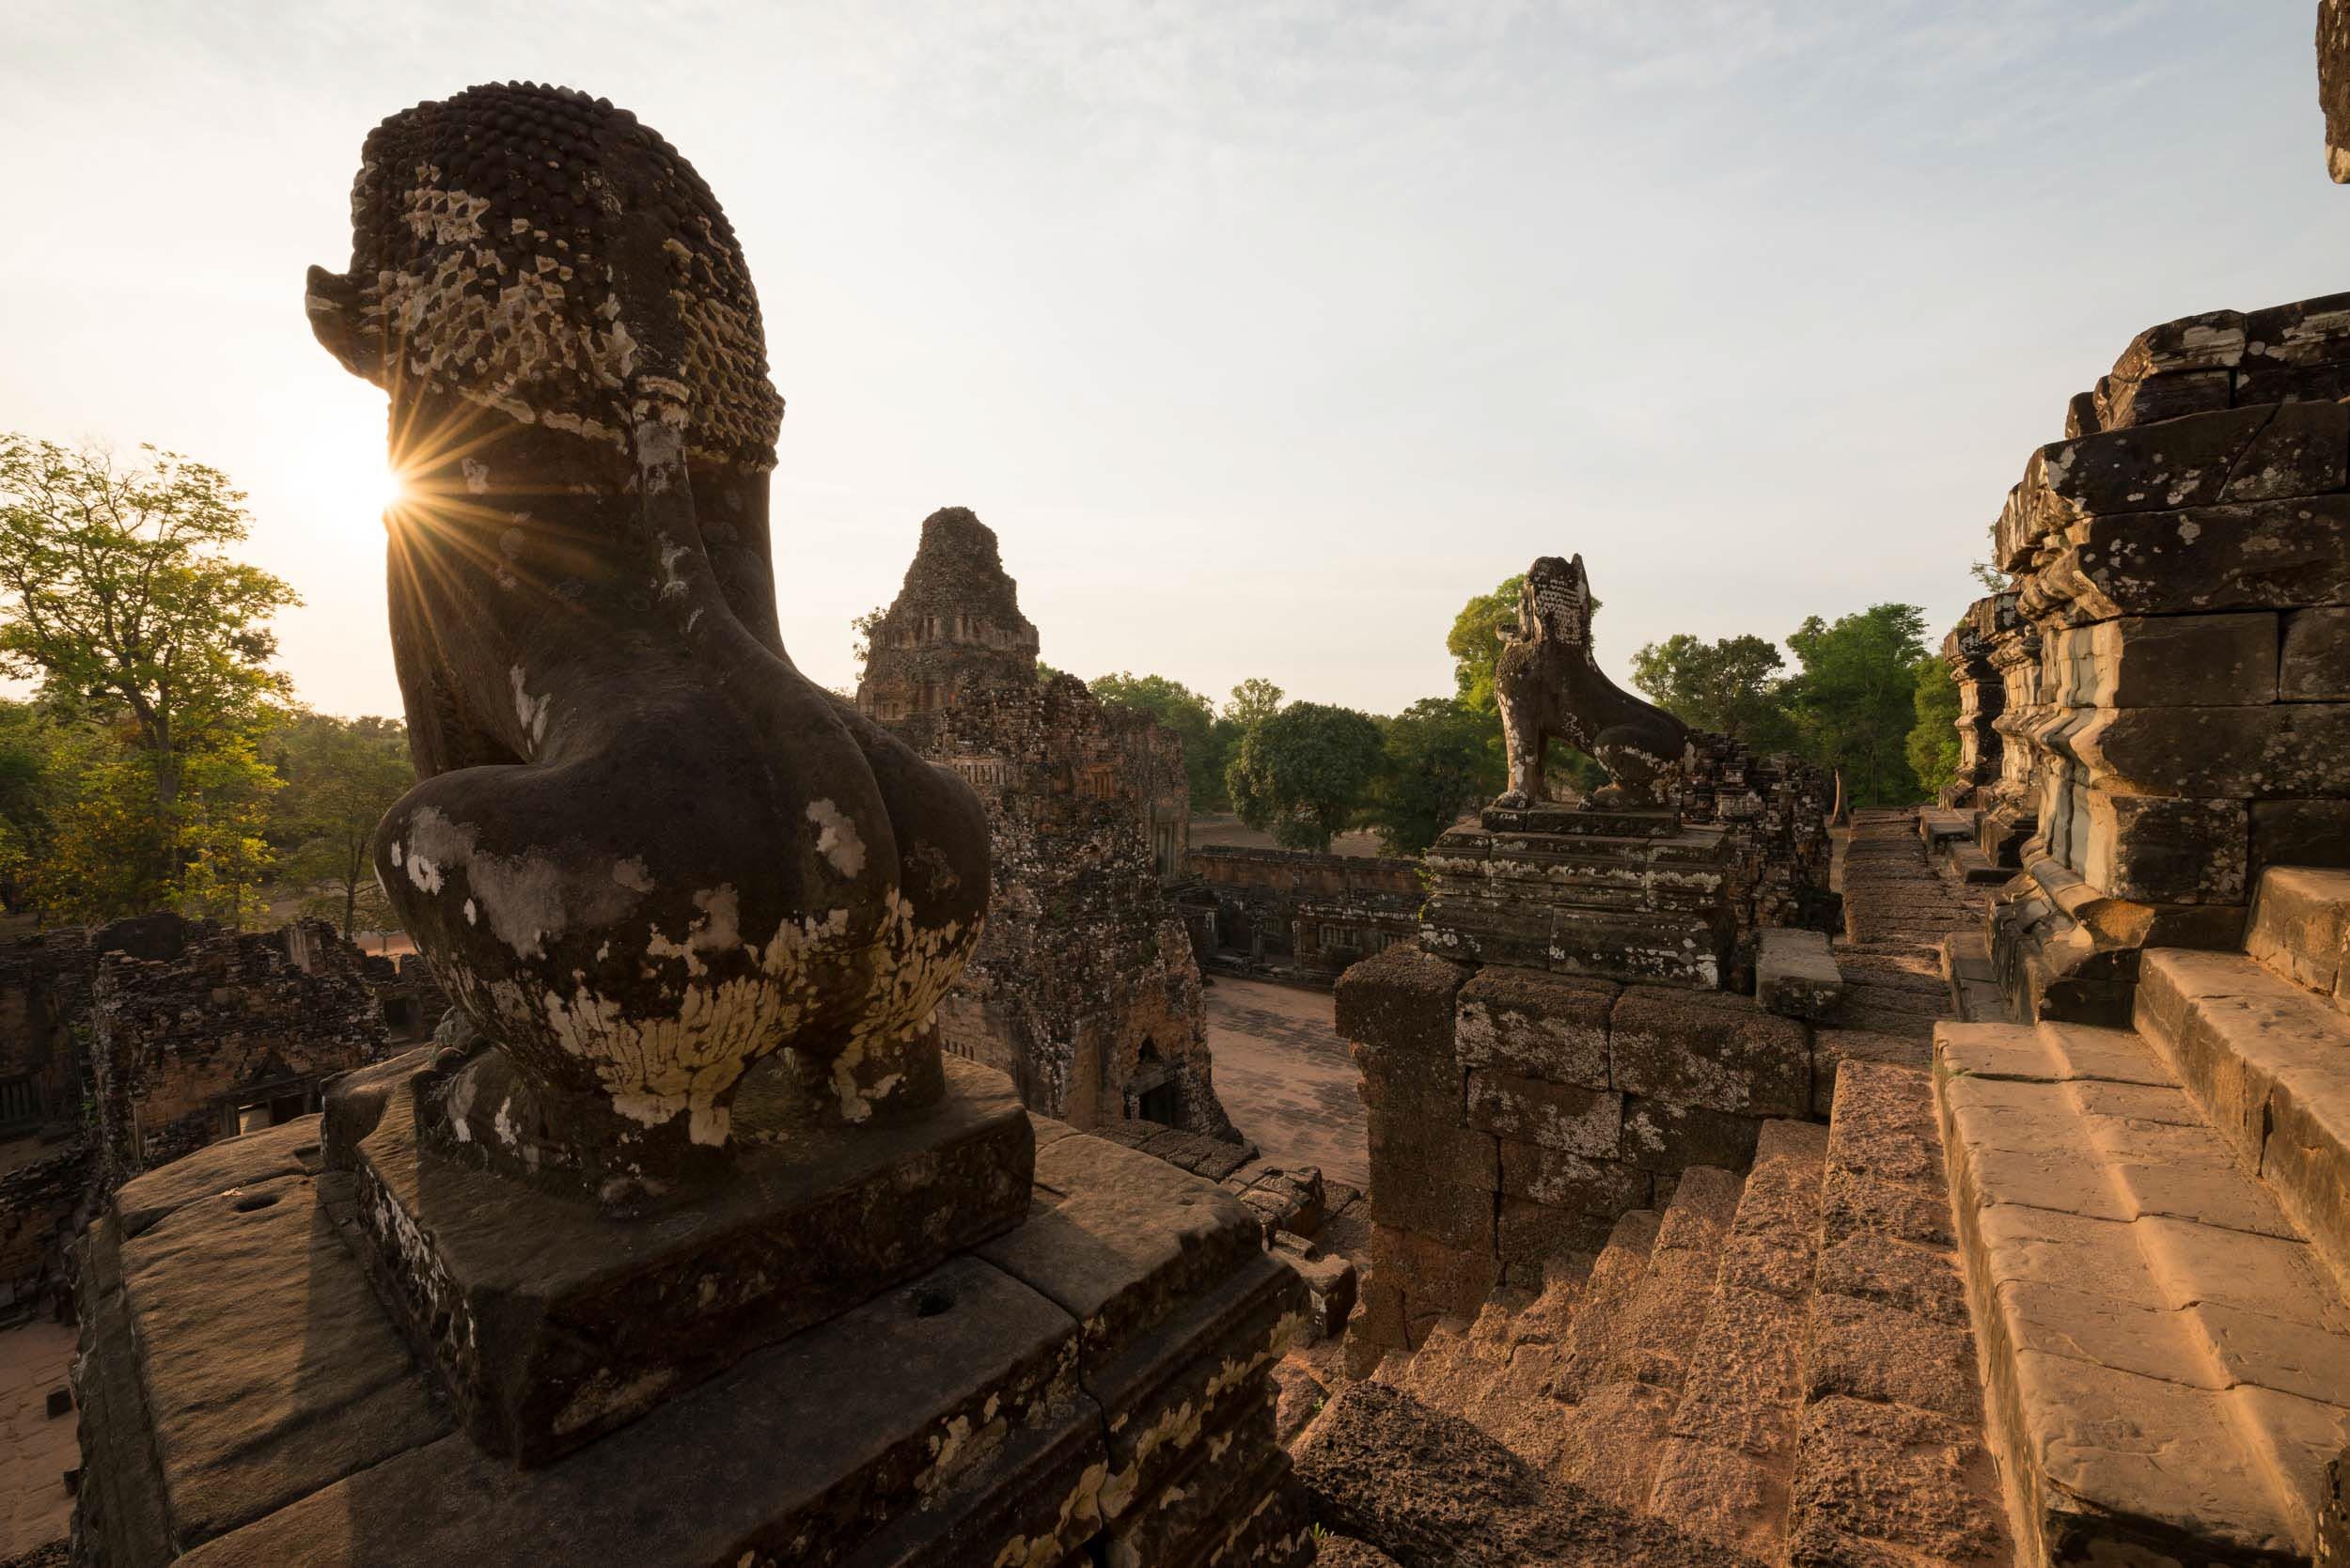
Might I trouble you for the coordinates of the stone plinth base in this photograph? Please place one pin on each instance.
(550, 1324)
(2064, 950)
(1515, 1114)
(1088, 1387)
(1634, 896)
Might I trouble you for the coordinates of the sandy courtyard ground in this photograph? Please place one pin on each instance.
(1283, 1073)
(36, 1450)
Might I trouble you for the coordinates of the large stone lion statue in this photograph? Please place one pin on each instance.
(1550, 688)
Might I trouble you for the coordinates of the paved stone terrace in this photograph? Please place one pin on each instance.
(1286, 1079)
(36, 1448)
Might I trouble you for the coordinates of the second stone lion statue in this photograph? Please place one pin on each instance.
(1549, 686)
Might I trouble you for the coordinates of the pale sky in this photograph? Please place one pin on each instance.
(1262, 334)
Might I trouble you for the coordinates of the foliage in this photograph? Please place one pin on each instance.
(1176, 707)
(1853, 700)
(1934, 743)
(1475, 642)
(1254, 700)
(862, 648)
(1436, 757)
(341, 776)
(1728, 686)
(1303, 771)
(116, 594)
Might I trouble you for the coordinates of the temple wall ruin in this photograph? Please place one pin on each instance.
(200, 1032)
(2175, 659)
(1293, 914)
(1085, 988)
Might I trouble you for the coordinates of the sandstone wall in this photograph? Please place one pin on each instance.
(1515, 1114)
(2176, 675)
(1305, 915)
(192, 1022)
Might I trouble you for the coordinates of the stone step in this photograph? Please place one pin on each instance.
(2169, 1361)
(1891, 1466)
(2268, 1062)
(1626, 1369)
(1381, 1468)
(1976, 869)
(1726, 1465)
(2300, 928)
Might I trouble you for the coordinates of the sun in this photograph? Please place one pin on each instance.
(387, 489)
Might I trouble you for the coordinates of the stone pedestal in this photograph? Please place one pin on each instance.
(1635, 896)
(1090, 1385)
(549, 1324)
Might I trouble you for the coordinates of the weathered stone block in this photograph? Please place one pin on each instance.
(1662, 1137)
(2268, 555)
(2165, 851)
(545, 1348)
(1399, 1002)
(1399, 1088)
(2239, 454)
(1793, 974)
(1435, 1279)
(2315, 663)
(2163, 396)
(1558, 1116)
(2286, 749)
(2300, 833)
(1536, 1025)
(1706, 1049)
(2306, 332)
(1442, 1150)
(2189, 661)
(1406, 1196)
(2208, 340)
(1574, 1182)
(1532, 1233)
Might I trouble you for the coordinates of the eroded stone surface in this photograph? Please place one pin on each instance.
(584, 426)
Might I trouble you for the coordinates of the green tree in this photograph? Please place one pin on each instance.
(33, 779)
(1254, 700)
(1475, 642)
(118, 594)
(1436, 757)
(1934, 743)
(1303, 772)
(1729, 686)
(1176, 707)
(341, 776)
(1853, 700)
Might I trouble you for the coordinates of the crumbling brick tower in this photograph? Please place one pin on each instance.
(1085, 987)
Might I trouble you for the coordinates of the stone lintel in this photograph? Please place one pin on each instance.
(550, 1324)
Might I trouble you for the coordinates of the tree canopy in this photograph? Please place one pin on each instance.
(1475, 642)
(1854, 700)
(341, 776)
(1253, 701)
(1436, 757)
(1933, 744)
(1303, 771)
(1729, 686)
(118, 596)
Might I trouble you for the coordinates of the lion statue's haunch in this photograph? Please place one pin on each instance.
(645, 852)
(1549, 686)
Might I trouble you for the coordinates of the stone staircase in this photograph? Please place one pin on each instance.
(1779, 1367)
(2156, 1226)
